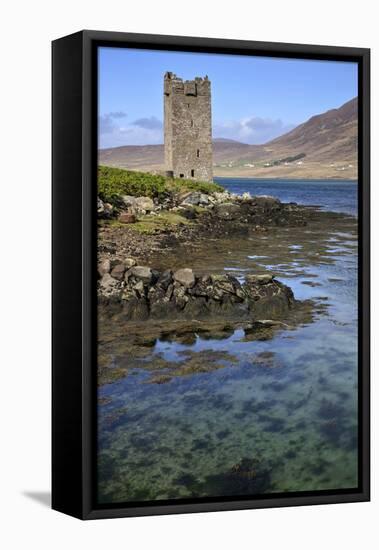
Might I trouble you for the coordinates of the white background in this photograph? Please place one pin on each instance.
(26, 31)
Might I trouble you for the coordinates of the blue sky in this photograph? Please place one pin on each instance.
(254, 99)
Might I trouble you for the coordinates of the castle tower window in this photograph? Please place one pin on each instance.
(198, 153)
(192, 173)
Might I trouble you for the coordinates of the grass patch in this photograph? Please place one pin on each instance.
(151, 224)
(112, 183)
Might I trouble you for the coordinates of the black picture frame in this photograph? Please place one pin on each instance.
(74, 153)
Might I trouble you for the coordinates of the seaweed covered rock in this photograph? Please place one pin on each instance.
(142, 293)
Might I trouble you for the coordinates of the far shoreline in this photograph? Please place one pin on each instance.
(340, 180)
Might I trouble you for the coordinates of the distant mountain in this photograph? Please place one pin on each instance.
(137, 157)
(330, 136)
(325, 146)
(227, 140)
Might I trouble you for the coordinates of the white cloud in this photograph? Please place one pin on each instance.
(149, 130)
(254, 130)
(151, 123)
(143, 131)
(106, 121)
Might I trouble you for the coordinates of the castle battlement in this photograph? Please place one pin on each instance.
(175, 84)
(188, 127)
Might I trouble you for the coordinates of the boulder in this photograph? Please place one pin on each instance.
(128, 200)
(185, 277)
(204, 199)
(108, 210)
(108, 284)
(104, 267)
(100, 206)
(246, 197)
(139, 287)
(138, 205)
(223, 284)
(196, 199)
(145, 204)
(104, 209)
(187, 212)
(127, 217)
(228, 211)
(141, 272)
(118, 272)
(221, 197)
(129, 262)
(165, 279)
(266, 201)
(260, 279)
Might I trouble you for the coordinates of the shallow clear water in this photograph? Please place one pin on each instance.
(335, 195)
(279, 415)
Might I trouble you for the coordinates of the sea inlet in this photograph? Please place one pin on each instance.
(271, 412)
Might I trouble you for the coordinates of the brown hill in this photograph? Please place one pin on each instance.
(330, 136)
(323, 147)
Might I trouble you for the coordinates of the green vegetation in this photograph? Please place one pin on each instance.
(150, 224)
(115, 182)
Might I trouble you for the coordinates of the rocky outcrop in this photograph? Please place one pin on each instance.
(217, 208)
(140, 293)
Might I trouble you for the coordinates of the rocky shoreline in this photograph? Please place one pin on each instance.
(144, 226)
(167, 282)
(131, 290)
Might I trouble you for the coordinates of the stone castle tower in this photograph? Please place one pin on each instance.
(188, 127)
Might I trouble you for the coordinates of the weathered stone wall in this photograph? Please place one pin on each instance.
(188, 127)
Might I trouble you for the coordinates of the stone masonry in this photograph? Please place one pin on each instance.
(188, 127)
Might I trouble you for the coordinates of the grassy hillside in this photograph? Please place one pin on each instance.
(115, 182)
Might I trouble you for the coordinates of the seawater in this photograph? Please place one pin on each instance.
(282, 417)
(330, 195)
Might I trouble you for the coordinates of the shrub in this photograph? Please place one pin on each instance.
(115, 182)
(112, 183)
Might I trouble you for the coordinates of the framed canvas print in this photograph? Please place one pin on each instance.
(210, 274)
